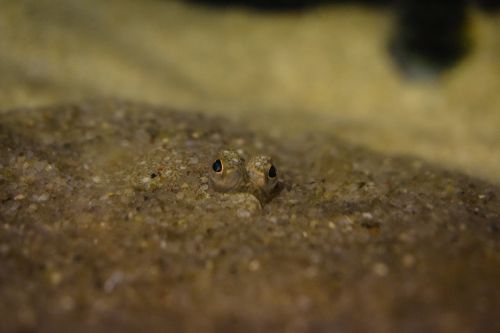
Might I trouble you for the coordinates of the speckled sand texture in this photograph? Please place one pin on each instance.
(107, 224)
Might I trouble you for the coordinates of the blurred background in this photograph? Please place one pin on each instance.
(418, 78)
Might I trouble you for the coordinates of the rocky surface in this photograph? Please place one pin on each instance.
(107, 224)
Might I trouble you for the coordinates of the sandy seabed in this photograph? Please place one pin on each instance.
(108, 224)
(389, 214)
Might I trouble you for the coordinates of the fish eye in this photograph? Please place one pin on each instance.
(217, 166)
(272, 171)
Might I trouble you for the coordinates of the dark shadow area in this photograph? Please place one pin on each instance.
(489, 5)
(284, 5)
(429, 36)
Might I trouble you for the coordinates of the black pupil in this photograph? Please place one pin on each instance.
(272, 172)
(217, 166)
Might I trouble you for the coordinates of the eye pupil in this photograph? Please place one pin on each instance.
(217, 166)
(272, 172)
